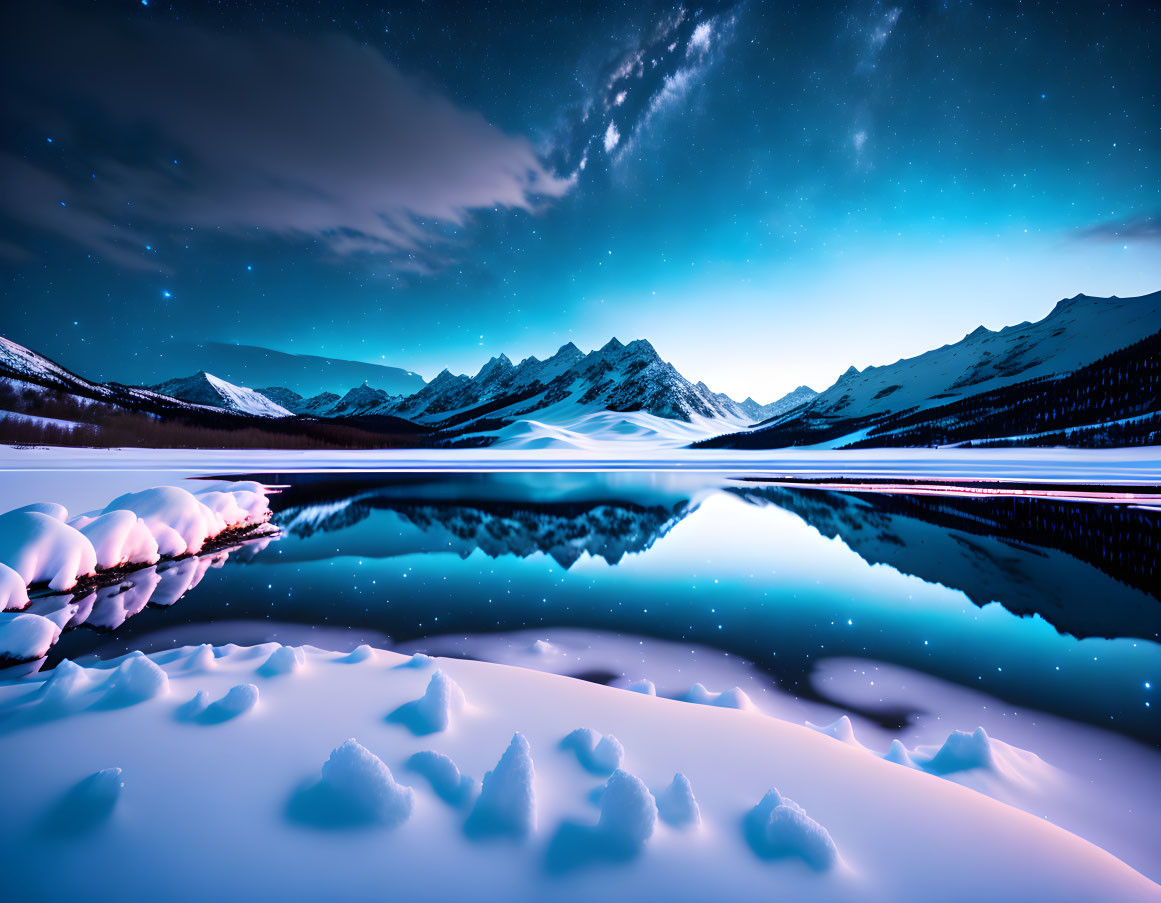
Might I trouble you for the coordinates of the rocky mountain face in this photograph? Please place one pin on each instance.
(207, 389)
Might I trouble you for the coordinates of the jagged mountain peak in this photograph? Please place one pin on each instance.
(205, 388)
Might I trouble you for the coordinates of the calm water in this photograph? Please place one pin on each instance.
(1044, 605)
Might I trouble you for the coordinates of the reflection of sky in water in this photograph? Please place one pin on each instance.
(757, 582)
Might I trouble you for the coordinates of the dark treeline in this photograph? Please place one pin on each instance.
(94, 423)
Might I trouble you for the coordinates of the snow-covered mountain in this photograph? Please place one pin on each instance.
(207, 389)
(1078, 331)
(785, 404)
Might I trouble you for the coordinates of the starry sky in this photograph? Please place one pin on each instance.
(769, 192)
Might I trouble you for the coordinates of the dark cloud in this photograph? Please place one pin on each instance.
(1143, 227)
(177, 127)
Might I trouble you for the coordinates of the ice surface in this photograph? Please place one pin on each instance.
(599, 754)
(507, 800)
(676, 805)
(25, 636)
(13, 591)
(41, 549)
(449, 784)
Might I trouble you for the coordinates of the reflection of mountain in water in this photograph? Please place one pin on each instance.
(563, 530)
(1087, 569)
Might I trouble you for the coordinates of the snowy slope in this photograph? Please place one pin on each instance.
(1077, 332)
(788, 402)
(456, 785)
(567, 426)
(205, 388)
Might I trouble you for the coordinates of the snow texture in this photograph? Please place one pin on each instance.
(355, 787)
(42, 549)
(598, 754)
(676, 805)
(628, 811)
(507, 801)
(180, 523)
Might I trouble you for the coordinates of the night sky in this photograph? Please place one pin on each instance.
(769, 192)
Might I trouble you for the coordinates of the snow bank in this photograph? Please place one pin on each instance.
(676, 805)
(446, 780)
(729, 699)
(42, 549)
(507, 800)
(433, 711)
(119, 538)
(136, 679)
(778, 827)
(25, 637)
(599, 754)
(13, 591)
(283, 660)
(357, 787)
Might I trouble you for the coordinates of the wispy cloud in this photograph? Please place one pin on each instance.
(167, 126)
(1141, 227)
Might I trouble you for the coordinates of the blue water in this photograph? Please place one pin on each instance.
(1046, 605)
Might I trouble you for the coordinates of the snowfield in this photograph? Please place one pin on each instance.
(227, 778)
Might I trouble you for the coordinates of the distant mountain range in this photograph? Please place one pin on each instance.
(1088, 373)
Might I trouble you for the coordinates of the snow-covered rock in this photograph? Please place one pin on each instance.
(507, 800)
(55, 510)
(25, 637)
(42, 549)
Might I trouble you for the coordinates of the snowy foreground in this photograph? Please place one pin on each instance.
(274, 772)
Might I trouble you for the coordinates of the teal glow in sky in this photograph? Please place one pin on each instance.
(767, 192)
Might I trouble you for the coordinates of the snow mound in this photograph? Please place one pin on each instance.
(598, 754)
(87, 805)
(359, 786)
(418, 660)
(446, 780)
(201, 659)
(179, 522)
(898, 754)
(119, 537)
(42, 549)
(962, 751)
(360, 653)
(283, 660)
(643, 686)
(779, 828)
(13, 591)
(63, 686)
(628, 810)
(507, 801)
(55, 510)
(136, 679)
(237, 701)
(729, 699)
(433, 711)
(841, 729)
(25, 637)
(237, 507)
(676, 805)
